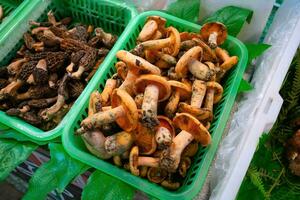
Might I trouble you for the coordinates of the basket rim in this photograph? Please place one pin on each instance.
(208, 156)
(22, 126)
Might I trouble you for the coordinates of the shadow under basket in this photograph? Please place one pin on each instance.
(197, 173)
(112, 16)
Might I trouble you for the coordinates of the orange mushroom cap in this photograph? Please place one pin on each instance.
(187, 122)
(133, 160)
(149, 79)
(216, 27)
(130, 120)
(174, 47)
(167, 123)
(185, 90)
(218, 90)
(199, 113)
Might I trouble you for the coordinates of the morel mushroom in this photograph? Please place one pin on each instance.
(214, 33)
(41, 103)
(155, 89)
(108, 39)
(191, 129)
(36, 92)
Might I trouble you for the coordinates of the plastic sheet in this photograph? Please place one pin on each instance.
(143, 5)
(258, 109)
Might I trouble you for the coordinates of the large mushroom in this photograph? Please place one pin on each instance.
(165, 132)
(155, 89)
(214, 94)
(124, 112)
(169, 45)
(214, 33)
(153, 26)
(194, 108)
(136, 66)
(135, 161)
(180, 91)
(191, 129)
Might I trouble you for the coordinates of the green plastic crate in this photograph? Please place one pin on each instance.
(199, 169)
(112, 16)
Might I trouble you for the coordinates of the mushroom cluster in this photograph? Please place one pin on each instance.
(156, 110)
(51, 69)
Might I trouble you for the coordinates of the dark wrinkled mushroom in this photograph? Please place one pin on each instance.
(41, 103)
(36, 92)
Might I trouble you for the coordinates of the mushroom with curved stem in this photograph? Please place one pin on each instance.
(135, 161)
(145, 139)
(110, 85)
(156, 89)
(165, 132)
(191, 129)
(169, 45)
(75, 58)
(198, 93)
(63, 95)
(95, 103)
(213, 95)
(25, 114)
(153, 26)
(136, 66)
(156, 175)
(214, 33)
(108, 39)
(184, 165)
(154, 56)
(181, 91)
(41, 103)
(124, 112)
(14, 67)
(228, 62)
(36, 92)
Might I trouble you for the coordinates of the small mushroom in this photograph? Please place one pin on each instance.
(110, 85)
(191, 149)
(41, 103)
(40, 73)
(156, 56)
(118, 143)
(228, 62)
(184, 165)
(75, 58)
(169, 45)
(153, 26)
(145, 139)
(198, 93)
(36, 92)
(155, 89)
(214, 33)
(136, 66)
(156, 175)
(165, 132)
(123, 111)
(108, 39)
(28, 40)
(122, 69)
(14, 67)
(95, 103)
(213, 95)
(53, 79)
(180, 91)
(135, 161)
(191, 129)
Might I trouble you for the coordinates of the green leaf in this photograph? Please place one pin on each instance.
(233, 17)
(12, 154)
(245, 86)
(255, 50)
(58, 172)
(101, 186)
(185, 9)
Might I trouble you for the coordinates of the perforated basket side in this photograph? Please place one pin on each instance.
(199, 169)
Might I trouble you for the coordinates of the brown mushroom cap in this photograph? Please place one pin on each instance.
(199, 113)
(218, 90)
(216, 27)
(156, 175)
(137, 62)
(121, 69)
(133, 160)
(190, 150)
(129, 121)
(174, 47)
(187, 122)
(145, 139)
(181, 68)
(167, 123)
(162, 84)
(184, 90)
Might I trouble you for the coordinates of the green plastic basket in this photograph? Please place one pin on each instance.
(199, 169)
(112, 16)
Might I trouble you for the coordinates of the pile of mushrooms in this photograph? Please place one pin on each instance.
(51, 70)
(157, 108)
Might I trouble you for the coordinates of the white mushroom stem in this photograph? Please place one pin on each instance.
(209, 100)
(171, 161)
(171, 107)
(200, 70)
(155, 44)
(148, 161)
(70, 67)
(199, 89)
(163, 136)
(98, 119)
(78, 73)
(149, 106)
(212, 40)
(128, 83)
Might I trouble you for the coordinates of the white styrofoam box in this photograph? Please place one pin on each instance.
(250, 32)
(259, 109)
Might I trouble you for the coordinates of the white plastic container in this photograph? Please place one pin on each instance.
(259, 109)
